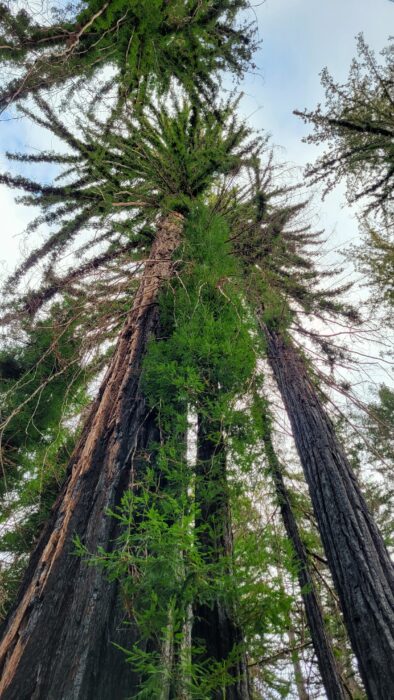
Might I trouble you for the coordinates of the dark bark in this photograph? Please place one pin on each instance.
(321, 643)
(356, 554)
(362, 128)
(215, 626)
(57, 643)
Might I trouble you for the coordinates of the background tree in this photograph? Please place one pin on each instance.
(333, 488)
(358, 125)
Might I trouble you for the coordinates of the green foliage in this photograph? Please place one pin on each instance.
(144, 165)
(210, 342)
(357, 124)
(42, 391)
(166, 557)
(149, 42)
(375, 258)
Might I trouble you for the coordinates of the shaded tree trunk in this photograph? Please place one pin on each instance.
(215, 626)
(57, 643)
(298, 674)
(321, 643)
(359, 562)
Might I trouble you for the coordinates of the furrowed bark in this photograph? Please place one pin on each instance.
(215, 627)
(321, 643)
(356, 554)
(57, 643)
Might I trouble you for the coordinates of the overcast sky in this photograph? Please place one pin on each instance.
(299, 38)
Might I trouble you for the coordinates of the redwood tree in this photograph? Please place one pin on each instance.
(58, 586)
(215, 623)
(283, 281)
(358, 559)
(322, 645)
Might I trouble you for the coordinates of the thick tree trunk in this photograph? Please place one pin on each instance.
(57, 643)
(215, 627)
(359, 562)
(320, 640)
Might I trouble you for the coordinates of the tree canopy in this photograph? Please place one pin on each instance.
(357, 124)
(173, 346)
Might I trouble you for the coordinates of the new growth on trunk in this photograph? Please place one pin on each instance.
(215, 626)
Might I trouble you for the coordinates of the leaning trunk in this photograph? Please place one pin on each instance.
(215, 627)
(57, 643)
(320, 640)
(359, 562)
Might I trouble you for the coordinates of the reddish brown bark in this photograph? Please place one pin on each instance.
(57, 641)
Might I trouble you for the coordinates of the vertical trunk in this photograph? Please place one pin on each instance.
(359, 562)
(320, 640)
(167, 656)
(298, 675)
(215, 627)
(346, 664)
(185, 657)
(57, 643)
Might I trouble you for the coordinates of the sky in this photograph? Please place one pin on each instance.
(299, 38)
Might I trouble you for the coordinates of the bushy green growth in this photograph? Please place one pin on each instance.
(42, 391)
(150, 42)
(209, 334)
(204, 360)
(159, 161)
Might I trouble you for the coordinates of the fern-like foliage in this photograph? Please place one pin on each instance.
(115, 182)
(148, 42)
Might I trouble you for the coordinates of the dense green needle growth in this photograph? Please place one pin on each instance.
(116, 184)
(162, 558)
(150, 43)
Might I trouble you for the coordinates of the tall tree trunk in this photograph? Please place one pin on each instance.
(298, 675)
(359, 562)
(215, 626)
(320, 640)
(57, 643)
